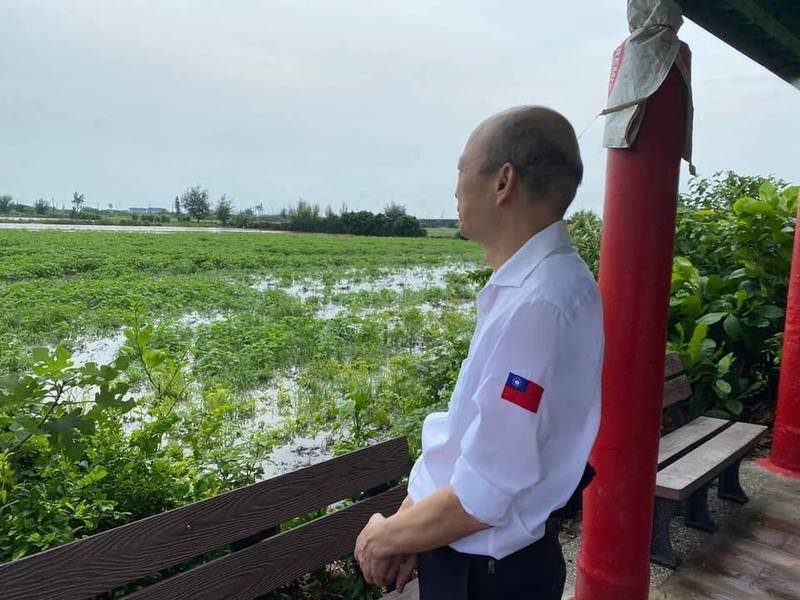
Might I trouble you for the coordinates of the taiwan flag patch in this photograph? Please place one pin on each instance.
(522, 392)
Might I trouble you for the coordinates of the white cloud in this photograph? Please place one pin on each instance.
(356, 101)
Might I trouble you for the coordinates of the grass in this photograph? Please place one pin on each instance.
(272, 295)
(442, 232)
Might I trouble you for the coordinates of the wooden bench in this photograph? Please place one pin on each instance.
(690, 459)
(264, 562)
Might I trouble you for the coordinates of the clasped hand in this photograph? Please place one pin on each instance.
(378, 569)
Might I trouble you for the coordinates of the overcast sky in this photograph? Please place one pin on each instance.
(357, 102)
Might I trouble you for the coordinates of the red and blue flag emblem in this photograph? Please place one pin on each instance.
(522, 392)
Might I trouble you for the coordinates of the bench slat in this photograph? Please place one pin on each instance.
(687, 438)
(112, 558)
(672, 365)
(276, 561)
(704, 463)
(676, 390)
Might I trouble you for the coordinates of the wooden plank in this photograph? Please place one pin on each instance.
(705, 462)
(276, 561)
(687, 438)
(672, 365)
(675, 390)
(109, 559)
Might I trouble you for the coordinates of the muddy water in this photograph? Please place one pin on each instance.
(33, 226)
(300, 451)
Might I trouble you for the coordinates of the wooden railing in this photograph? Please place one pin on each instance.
(126, 554)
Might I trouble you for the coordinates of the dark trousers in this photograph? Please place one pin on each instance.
(536, 572)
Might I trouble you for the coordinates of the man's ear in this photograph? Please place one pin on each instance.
(505, 183)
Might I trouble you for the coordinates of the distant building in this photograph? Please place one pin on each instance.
(147, 211)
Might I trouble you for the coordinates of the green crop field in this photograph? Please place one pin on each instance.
(256, 352)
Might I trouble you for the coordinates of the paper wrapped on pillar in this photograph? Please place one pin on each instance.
(640, 65)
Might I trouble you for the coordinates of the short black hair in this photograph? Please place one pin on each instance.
(530, 146)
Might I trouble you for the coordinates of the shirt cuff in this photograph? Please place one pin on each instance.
(480, 498)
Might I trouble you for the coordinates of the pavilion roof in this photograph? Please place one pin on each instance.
(768, 31)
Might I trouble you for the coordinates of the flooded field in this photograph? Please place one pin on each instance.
(31, 225)
(302, 345)
(338, 299)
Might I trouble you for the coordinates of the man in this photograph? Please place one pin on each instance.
(524, 413)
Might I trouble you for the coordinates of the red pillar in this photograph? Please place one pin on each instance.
(635, 268)
(785, 456)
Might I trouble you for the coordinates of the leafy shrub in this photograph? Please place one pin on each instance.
(728, 293)
(70, 465)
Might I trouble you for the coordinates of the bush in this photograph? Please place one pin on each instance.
(728, 293)
(395, 222)
(70, 467)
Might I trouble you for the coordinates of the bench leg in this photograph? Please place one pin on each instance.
(661, 551)
(697, 515)
(729, 486)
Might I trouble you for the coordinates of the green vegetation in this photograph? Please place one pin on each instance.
(221, 348)
(294, 328)
(733, 250)
(442, 232)
(393, 221)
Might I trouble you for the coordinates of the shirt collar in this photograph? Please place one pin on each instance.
(514, 271)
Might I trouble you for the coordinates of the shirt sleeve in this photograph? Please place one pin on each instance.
(500, 450)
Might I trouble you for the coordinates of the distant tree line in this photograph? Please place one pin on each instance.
(393, 221)
(195, 204)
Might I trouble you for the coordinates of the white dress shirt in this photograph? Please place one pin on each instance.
(525, 409)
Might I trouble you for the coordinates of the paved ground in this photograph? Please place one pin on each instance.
(755, 556)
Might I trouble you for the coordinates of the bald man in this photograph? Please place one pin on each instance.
(512, 447)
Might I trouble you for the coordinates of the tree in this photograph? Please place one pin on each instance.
(77, 201)
(223, 209)
(394, 211)
(41, 206)
(6, 202)
(304, 217)
(407, 226)
(195, 202)
(177, 206)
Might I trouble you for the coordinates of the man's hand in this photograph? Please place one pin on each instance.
(405, 568)
(377, 568)
(407, 562)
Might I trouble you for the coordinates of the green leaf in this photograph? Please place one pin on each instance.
(769, 311)
(750, 206)
(724, 364)
(62, 358)
(722, 387)
(733, 327)
(62, 432)
(714, 284)
(96, 474)
(734, 406)
(711, 318)
(691, 306)
(738, 274)
(741, 296)
(696, 343)
(40, 355)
